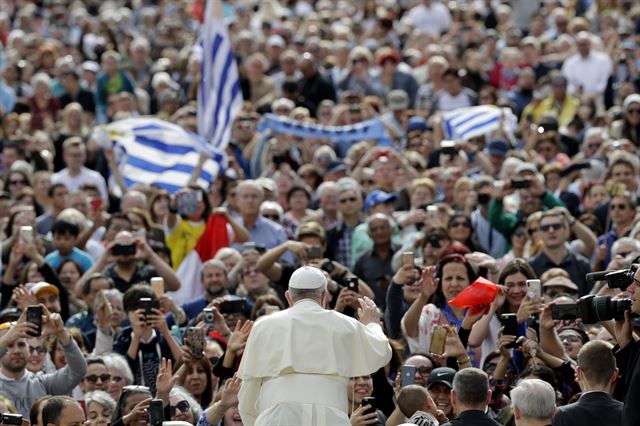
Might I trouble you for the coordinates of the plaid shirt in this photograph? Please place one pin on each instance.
(343, 251)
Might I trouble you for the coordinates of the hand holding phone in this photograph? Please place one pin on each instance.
(156, 412)
(34, 316)
(157, 284)
(26, 234)
(371, 402)
(408, 258)
(438, 340)
(408, 375)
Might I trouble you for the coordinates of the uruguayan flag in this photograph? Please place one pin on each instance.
(219, 95)
(465, 123)
(151, 151)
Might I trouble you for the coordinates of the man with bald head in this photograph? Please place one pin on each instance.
(303, 379)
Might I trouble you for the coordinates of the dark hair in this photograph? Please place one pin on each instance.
(207, 394)
(471, 386)
(36, 408)
(127, 392)
(52, 409)
(438, 298)
(53, 187)
(541, 372)
(267, 299)
(18, 145)
(95, 360)
(131, 298)
(115, 216)
(298, 188)
(157, 195)
(64, 262)
(62, 227)
(516, 266)
(86, 285)
(205, 200)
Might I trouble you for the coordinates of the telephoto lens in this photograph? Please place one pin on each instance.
(592, 309)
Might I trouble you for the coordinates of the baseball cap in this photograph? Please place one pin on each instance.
(275, 40)
(42, 287)
(307, 278)
(9, 314)
(312, 229)
(441, 375)
(526, 167)
(91, 66)
(378, 197)
(336, 167)
(417, 123)
(498, 148)
(397, 100)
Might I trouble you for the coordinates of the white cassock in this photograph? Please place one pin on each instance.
(296, 364)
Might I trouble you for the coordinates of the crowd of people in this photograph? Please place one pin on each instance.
(94, 327)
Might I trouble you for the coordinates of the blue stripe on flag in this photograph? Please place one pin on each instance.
(479, 126)
(216, 114)
(169, 187)
(161, 146)
(157, 168)
(465, 118)
(234, 92)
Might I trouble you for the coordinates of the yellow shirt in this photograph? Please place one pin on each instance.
(565, 112)
(183, 238)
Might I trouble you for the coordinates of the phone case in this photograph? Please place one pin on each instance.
(157, 284)
(438, 340)
(408, 375)
(407, 258)
(534, 289)
(195, 340)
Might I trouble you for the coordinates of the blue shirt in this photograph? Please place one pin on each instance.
(55, 259)
(267, 233)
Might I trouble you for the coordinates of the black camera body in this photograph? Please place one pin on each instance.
(592, 309)
(621, 278)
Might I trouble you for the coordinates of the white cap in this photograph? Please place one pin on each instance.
(307, 278)
(276, 40)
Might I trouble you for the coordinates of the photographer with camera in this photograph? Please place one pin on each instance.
(308, 249)
(128, 260)
(627, 353)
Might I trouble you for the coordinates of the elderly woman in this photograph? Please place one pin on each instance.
(183, 406)
(44, 107)
(360, 79)
(629, 126)
(99, 406)
(120, 371)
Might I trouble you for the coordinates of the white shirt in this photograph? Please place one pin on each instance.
(591, 72)
(447, 102)
(73, 183)
(432, 20)
(296, 364)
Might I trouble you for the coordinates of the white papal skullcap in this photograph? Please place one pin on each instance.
(307, 278)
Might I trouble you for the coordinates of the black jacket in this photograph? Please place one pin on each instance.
(628, 387)
(473, 418)
(596, 408)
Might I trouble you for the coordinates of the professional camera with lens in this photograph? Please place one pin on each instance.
(592, 309)
(621, 279)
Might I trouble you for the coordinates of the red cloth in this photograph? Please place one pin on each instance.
(477, 296)
(213, 238)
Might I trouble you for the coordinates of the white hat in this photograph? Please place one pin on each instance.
(307, 278)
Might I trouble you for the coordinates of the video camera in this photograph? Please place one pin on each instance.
(621, 279)
(592, 309)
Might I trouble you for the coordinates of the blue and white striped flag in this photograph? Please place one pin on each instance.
(219, 95)
(466, 123)
(152, 151)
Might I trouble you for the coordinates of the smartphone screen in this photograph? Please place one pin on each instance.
(34, 316)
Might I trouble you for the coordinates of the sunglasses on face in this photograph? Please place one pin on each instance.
(554, 226)
(532, 230)
(94, 378)
(459, 224)
(519, 233)
(618, 207)
(39, 349)
(571, 338)
(183, 406)
(18, 182)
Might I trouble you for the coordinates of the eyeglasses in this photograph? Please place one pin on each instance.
(618, 206)
(519, 233)
(571, 338)
(214, 360)
(554, 226)
(94, 378)
(348, 200)
(183, 406)
(39, 349)
(532, 230)
(356, 60)
(18, 182)
(458, 224)
(274, 217)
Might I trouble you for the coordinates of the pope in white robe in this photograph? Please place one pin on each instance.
(296, 363)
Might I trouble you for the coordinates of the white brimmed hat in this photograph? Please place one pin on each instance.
(307, 278)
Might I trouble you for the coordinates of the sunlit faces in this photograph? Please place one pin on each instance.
(97, 414)
(358, 388)
(516, 285)
(455, 278)
(196, 379)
